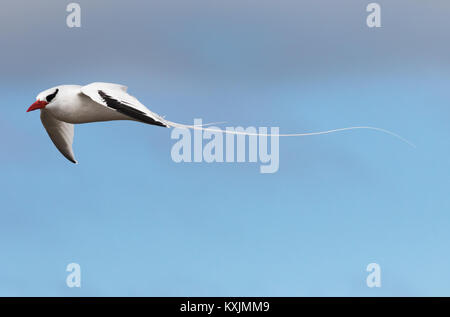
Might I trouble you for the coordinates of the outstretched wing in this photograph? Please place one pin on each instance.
(116, 97)
(61, 134)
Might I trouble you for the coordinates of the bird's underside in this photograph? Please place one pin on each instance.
(92, 103)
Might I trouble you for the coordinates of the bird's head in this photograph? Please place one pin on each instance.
(43, 99)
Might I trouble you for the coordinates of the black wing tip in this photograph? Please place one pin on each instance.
(74, 161)
(129, 111)
(161, 124)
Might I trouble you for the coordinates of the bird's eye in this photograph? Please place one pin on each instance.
(50, 97)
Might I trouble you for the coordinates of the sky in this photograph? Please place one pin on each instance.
(139, 224)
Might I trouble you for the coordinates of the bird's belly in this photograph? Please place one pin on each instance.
(86, 110)
(97, 115)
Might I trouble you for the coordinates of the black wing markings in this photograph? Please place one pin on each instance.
(124, 108)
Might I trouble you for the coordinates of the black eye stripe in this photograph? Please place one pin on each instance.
(50, 97)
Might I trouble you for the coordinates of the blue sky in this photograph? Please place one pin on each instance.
(141, 225)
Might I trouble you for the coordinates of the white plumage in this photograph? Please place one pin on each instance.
(63, 106)
(73, 104)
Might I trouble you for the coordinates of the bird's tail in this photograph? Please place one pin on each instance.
(202, 128)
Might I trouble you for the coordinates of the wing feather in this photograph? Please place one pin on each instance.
(61, 133)
(115, 97)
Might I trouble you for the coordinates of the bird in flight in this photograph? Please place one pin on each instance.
(63, 106)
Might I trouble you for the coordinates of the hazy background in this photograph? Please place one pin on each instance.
(141, 225)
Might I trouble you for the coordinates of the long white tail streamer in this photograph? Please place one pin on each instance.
(197, 127)
(206, 124)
